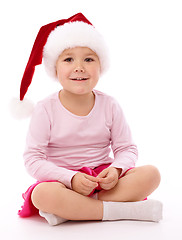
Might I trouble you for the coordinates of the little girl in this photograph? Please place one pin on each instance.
(71, 132)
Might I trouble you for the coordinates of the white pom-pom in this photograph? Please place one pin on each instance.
(21, 109)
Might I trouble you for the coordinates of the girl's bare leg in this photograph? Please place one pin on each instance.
(55, 198)
(136, 185)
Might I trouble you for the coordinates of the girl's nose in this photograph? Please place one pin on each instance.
(79, 69)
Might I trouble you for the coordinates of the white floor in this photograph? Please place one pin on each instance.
(36, 228)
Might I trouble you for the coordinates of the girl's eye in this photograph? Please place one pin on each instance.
(69, 59)
(89, 59)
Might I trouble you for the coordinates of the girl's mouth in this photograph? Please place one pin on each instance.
(79, 79)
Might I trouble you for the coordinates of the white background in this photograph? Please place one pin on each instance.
(145, 42)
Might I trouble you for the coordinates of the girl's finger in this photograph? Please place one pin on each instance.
(108, 179)
(103, 174)
(106, 186)
(87, 183)
(91, 178)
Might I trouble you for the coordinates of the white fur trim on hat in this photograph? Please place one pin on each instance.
(72, 35)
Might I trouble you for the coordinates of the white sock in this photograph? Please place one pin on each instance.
(52, 219)
(148, 210)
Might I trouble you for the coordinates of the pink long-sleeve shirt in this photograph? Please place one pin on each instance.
(60, 143)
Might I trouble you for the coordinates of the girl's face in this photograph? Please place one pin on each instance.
(78, 70)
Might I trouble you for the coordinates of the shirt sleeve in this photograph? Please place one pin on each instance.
(124, 150)
(36, 161)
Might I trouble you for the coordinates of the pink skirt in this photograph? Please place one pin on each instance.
(28, 208)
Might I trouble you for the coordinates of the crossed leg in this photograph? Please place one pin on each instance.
(55, 198)
(137, 184)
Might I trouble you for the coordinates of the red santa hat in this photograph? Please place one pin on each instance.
(53, 38)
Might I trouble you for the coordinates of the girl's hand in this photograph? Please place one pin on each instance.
(109, 178)
(83, 183)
